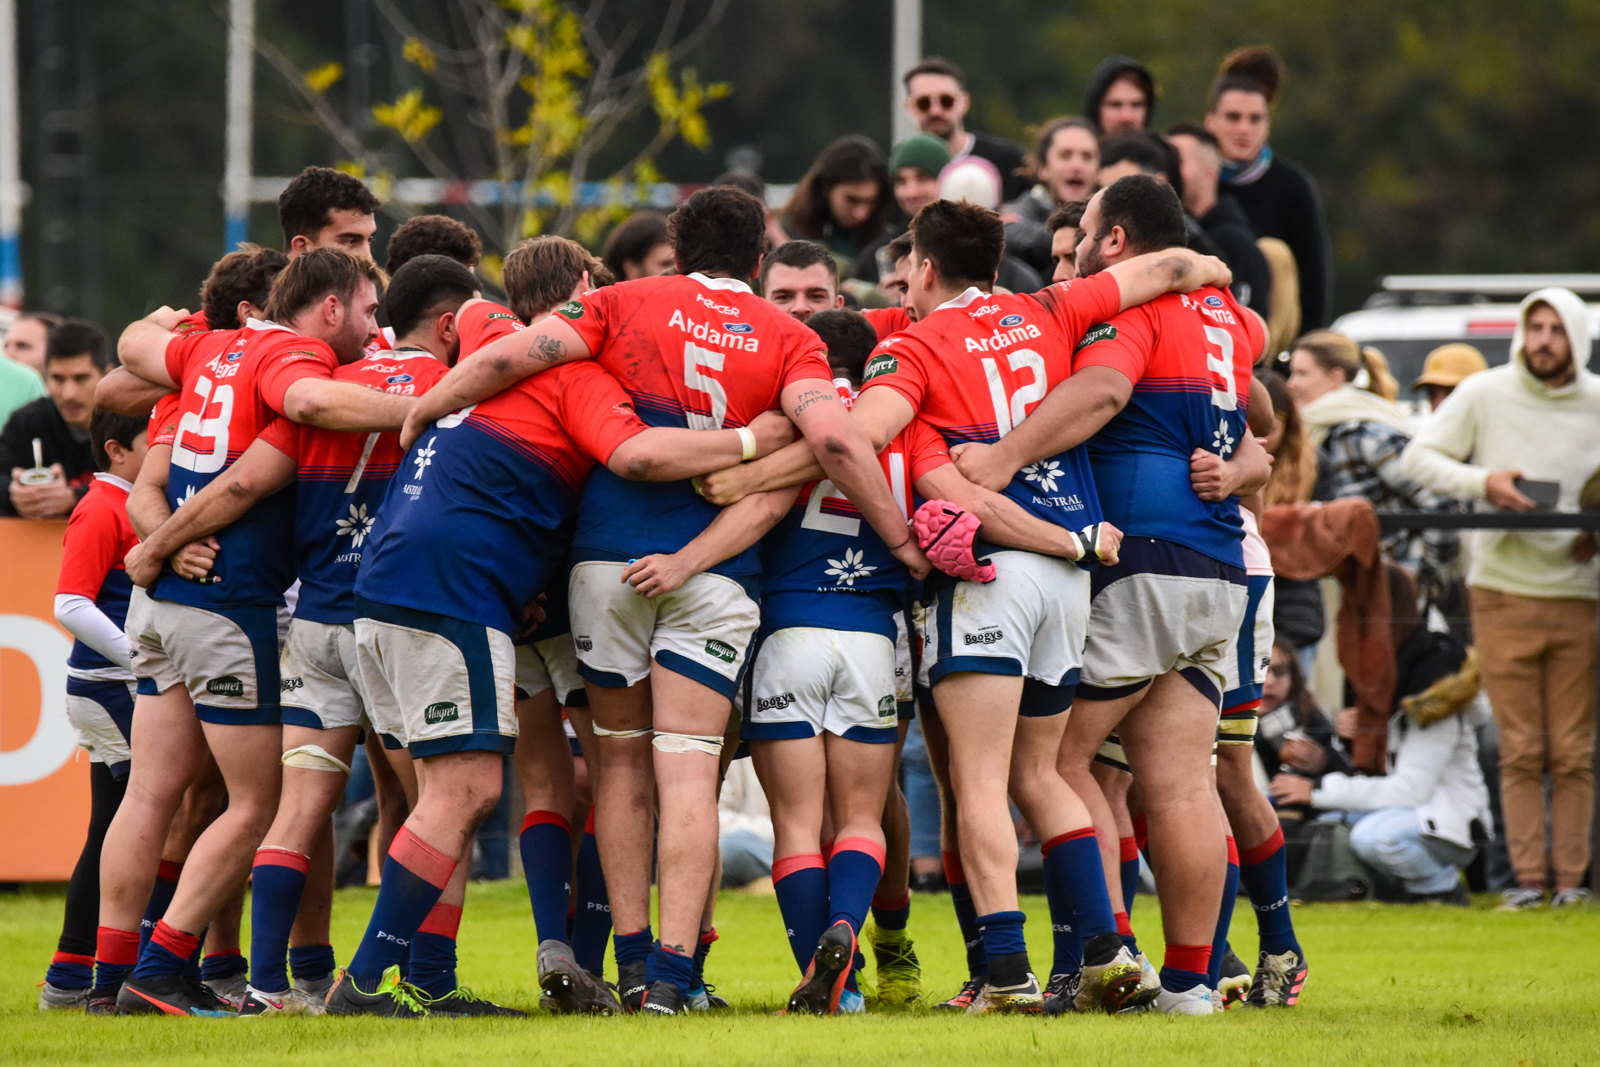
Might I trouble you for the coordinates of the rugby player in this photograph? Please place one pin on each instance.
(220, 638)
(801, 278)
(1157, 386)
(697, 349)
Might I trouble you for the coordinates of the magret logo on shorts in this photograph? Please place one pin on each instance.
(886, 708)
(846, 571)
(1213, 302)
(1103, 332)
(738, 327)
(444, 711)
(1010, 321)
(397, 379)
(721, 650)
(226, 686)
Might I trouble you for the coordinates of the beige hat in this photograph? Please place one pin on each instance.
(1449, 364)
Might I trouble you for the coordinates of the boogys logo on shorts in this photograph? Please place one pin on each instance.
(572, 309)
(289, 685)
(774, 703)
(583, 644)
(880, 364)
(444, 711)
(226, 686)
(722, 650)
(1103, 332)
(886, 707)
(983, 637)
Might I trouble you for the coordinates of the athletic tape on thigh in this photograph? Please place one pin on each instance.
(601, 731)
(710, 744)
(314, 758)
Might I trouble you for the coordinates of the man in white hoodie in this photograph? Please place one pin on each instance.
(1533, 592)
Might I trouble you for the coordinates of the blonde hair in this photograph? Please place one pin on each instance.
(1294, 464)
(1364, 367)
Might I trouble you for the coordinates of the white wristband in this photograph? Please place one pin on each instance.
(747, 438)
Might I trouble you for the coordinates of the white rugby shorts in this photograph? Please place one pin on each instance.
(227, 657)
(550, 664)
(320, 679)
(701, 630)
(805, 680)
(102, 712)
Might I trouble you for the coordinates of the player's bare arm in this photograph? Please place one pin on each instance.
(346, 406)
(1173, 270)
(148, 509)
(1215, 479)
(1069, 415)
(734, 529)
(1007, 523)
(126, 393)
(669, 453)
(847, 447)
(494, 368)
(142, 348)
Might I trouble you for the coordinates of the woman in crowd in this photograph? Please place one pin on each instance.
(1298, 613)
(1293, 735)
(639, 248)
(1345, 396)
(843, 201)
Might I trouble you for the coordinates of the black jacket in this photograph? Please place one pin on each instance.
(60, 443)
(1228, 226)
(1007, 157)
(1284, 203)
(1110, 69)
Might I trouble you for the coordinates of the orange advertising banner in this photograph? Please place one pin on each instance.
(44, 775)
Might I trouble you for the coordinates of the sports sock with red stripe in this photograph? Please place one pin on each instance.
(1264, 872)
(115, 953)
(215, 966)
(892, 913)
(166, 884)
(701, 951)
(801, 883)
(546, 845)
(1129, 872)
(854, 871)
(591, 926)
(276, 882)
(966, 915)
(168, 953)
(1185, 967)
(433, 951)
(414, 876)
(1230, 898)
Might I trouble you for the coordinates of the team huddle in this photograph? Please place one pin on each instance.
(629, 532)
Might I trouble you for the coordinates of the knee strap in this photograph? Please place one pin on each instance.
(710, 744)
(314, 758)
(601, 731)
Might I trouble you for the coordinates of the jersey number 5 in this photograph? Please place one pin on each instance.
(193, 425)
(696, 361)
(1009, 413)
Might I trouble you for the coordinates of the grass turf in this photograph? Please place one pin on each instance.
(1418, 985)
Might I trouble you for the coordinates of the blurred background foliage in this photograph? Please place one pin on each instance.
(1452, 136)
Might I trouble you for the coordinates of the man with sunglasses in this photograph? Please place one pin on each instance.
(938, 102)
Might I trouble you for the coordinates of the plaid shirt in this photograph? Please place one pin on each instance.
(1361, 458)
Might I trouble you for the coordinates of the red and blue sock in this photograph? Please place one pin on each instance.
(854, 871)
(1125, 932)
(433, 951)
(414, 877)
(966, 915)
(1004, 948)
(170, 952)
(70, 970)
(665, 965)
(1073, 859)
(1184, 967)
(892, 912)
(166, 884)
(1129, 871)
(310, 963)
(631, 948)
(1230, 897)
(801, 883)
(277, 881)
(701, 951)
(115, 953)
(1065, 941)
(591, 926)
(215, 966)
(1265, 873)
(546, 845)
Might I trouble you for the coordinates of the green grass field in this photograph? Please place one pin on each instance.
(1393, 985)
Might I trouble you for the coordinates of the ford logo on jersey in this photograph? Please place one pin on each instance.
(397, 379)
(1213, 301)
(1011, 320)
(236, 355)
(738, 327)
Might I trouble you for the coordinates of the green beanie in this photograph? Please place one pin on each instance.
(924, 151)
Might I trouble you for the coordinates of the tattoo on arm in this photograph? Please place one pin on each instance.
(548, 349)
(810, 397)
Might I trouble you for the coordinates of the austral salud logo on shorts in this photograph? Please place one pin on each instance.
(722, 650)
(444, 711)
(1103, 332)
(880, 364)
(226, 686)
(572, 309)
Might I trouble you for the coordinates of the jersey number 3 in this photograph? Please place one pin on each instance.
(195, 424)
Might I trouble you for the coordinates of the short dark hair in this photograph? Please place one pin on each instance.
(747, 180)
(1190, 128)
(900, 247)
(1140, 147)
(305, 202)
(1066, 215)
(965, 242)
(799, 255)
(632, 240)
(43, 318)
(78, 337)
(1148, 211)
(540, 275)
(934, 65)
(849, 159)
(310, 277)
(426, 287)
(719, 229)
(243, 274)
(106, 425)
(850, 339)
(434, 235)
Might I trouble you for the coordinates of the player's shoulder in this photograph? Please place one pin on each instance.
(104, 503)
(394, 368)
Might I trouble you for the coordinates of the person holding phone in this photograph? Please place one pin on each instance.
(1505, 437)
